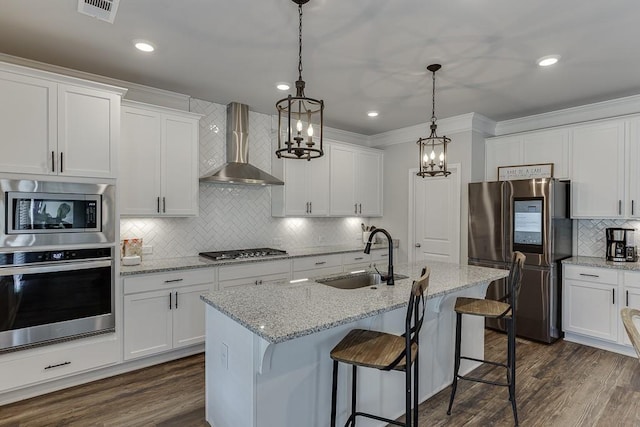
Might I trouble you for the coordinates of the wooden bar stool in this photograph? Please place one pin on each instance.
(386, 352)
(627, 315)
(502, 309)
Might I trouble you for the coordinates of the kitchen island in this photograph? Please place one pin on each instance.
(267, 347)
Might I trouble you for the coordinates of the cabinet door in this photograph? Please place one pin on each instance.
(368, 182)
(633, 197)
(179, 166)
(597, 182)
(139, 171)
(342, 181)
(318, 184)
(147, 323)
(88, 131)
(631, 299)
(591, 309)
(297, 196)
(188, 315)
(502, 151)
(548, 147)
(28, 119)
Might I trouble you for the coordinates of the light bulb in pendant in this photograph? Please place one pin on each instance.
(425, 158)
(442, 157)
(433, 154)
(310, 130)
(299, 126)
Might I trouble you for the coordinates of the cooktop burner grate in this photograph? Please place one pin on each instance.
(242, 253)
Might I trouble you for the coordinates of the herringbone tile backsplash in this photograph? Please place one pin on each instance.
(591, 234)
(232, 216)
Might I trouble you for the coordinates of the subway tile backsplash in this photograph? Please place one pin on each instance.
(591, 234)
(234, 216)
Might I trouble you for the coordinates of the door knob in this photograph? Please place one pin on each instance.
(418, 245)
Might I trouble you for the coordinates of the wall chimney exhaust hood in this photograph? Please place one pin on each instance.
(237, 170)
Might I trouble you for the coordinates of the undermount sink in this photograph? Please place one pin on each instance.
(355, 281)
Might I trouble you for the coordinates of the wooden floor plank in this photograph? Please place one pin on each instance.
(563, 384)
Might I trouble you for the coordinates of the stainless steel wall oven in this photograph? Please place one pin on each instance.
(57, 269)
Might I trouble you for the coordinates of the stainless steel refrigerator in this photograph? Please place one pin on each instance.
(530, 216)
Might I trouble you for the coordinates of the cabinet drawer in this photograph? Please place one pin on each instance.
(258, 269)
(253, 280)
(355, 258)
(380, 255)
(168, 280)
(632, 279)
(47, 363)
(591, 274)
(323, 261)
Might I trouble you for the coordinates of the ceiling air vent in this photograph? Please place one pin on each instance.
(104, 10)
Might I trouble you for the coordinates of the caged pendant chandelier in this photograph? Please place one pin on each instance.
(434, 145)
(300, 119)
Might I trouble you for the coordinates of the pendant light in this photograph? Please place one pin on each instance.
(300, 119)
(433, 150)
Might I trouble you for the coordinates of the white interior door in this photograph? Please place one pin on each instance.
(436, 217)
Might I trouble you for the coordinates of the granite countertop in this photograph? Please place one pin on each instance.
(589, 261)
(281, 311)
(184, 263)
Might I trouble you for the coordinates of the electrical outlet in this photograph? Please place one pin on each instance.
(224, 356)
(147, 250)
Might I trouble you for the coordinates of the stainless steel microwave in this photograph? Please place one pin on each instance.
(42, 213)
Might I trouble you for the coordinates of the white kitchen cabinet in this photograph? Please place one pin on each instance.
(306, 187)
(632, 205)
(54, 125)
(598, 170)
(316, 266)
(354, 261)
(163, 311)
(355, 181)
(544, 146)
(631, 298)
(158, 161)
(253, 274)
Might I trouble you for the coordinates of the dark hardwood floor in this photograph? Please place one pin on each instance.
(563, 384)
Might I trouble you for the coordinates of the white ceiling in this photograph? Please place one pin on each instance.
(358, 55)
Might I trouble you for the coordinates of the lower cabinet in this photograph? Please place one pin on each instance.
(164, 311)
(230, 276)
(592, 300)
(316, 266)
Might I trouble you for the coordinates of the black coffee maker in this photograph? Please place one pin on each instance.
(621, 245)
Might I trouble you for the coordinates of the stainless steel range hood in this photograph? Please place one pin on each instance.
(237, 170)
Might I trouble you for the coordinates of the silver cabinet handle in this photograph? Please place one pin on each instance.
(321, 262)
(176, 300)
(384, 255)
(164, 205)
(61, 162)
(360, 206)
(173, 280)
(170, 295)
(358, 258)
(307, 209)
(613, 296)
(355, 208)
(619, 207)
(310, 207)
(53, 161)
(158, 205)
(627, 298)
(589, 275)
(418, 245)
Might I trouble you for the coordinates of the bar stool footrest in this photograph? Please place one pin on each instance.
(480, 380)
(374, 417)
(490, 362)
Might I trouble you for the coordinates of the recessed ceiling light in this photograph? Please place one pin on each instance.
(372, 114)
(144, 46)
(282, 86)
(545, 61)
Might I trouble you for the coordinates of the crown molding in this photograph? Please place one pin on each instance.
(450, 125)
(599, 110)
(344, 136)
(135, 92)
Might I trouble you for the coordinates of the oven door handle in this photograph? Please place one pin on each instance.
(70, 266)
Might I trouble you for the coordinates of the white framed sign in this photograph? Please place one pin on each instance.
(508, 173)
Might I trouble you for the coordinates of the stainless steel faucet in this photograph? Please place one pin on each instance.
(367, 250)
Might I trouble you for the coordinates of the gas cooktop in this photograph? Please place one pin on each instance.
(242, 253)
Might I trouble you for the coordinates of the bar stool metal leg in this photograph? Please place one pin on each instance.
(353, 396)
(512, 369)
(456, 366)
(334, 390)
(415, 390)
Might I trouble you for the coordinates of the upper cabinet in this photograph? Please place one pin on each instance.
(355, 181)
(598, 165)
(346, 181)
(55, 125)
(306, 187)
(158, 161)
(632, 207)
(546, 146)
